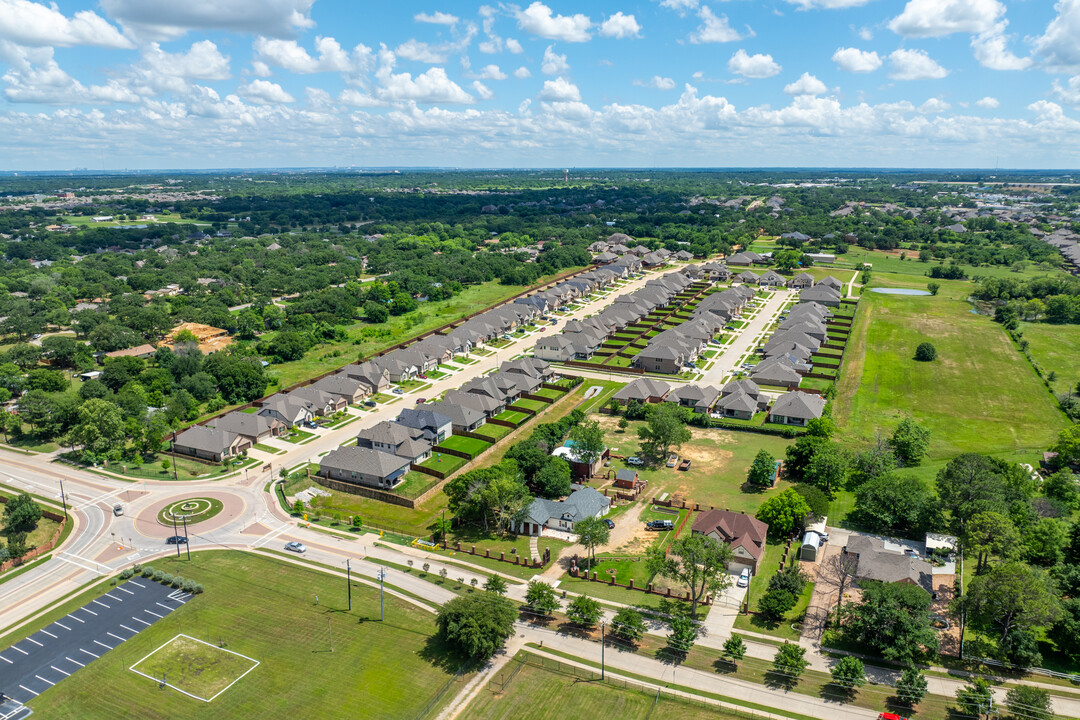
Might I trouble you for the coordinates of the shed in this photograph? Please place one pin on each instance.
(810, 543)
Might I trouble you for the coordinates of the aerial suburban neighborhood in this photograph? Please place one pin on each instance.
(539, 360)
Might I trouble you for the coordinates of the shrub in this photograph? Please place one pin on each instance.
(136, 568)
(126, 573)
(774, 603)
(166, 579)
(189, 586)
(198, 589)
(925, 352)
(177, 582)
(159, 575)
(147, 571)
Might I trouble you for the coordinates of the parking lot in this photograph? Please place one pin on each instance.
(36, 663)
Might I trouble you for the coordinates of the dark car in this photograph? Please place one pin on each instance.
(176, 540)
(369, 403)
(659, 525)
(609, 523)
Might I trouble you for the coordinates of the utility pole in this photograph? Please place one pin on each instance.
(382, 612)
(63, 499)
(187, 543)
(348, 581)
(175, 533)
(602, 644)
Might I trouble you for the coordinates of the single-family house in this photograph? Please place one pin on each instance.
(210, 443)
(821, 293)
(352, 391)
(643, 390)
(777, 375)
(436, 427)
(700, 398)
(564, 514)
(390, 437)
(796, 408)
(287, 409)
(802, 280)
(253, 427)
(488, 405)
(376, 378)
(532, 366)
(364, 466)
(321, 401)
(743, 533)
(885, 561)
(747, 276)
(462, 417)
(772, 279)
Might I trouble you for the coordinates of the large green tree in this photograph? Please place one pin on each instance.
(664, 431)
(588, 440)
(477, 625)
(1011, 596)
(592, 532)
(696, 561)
(100, 428)
(762, 471)
(990, 533)
(783, 513)
(896, 505)
(892, 619)
(22, 513)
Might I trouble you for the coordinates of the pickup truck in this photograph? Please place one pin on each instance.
(634, 460)
(672, 460)
(684, 465)
(659, 525)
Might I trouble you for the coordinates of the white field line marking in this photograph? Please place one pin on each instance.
(89, 653)
(74, 661)
(68, 559)
(255, 664)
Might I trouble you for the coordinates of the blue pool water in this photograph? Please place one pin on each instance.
(899, 291)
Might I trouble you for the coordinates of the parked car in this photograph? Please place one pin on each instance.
(422, 376)
(659, 525)
(296, 547)
(890, 716)
(634, 460)
(176, 540)
(398, 391)
(609, 523)
(672, 460)
(691, 365)
(369, 403)
(310, 424)
(421, 401)
(507, 336)
(744, 578)
(118, 510)
(684, 465)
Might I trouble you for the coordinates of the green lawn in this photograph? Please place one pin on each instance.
(375, 513)
(297, 436)
(759, 583)
(495, 432)
(549, 393)
(527, 693)
(465, 444)
(1056, 348)
(534, 405)
(41, 534)
(980, 395)
(443, 463)
(514, 417)
(414, 484)
(265, 609)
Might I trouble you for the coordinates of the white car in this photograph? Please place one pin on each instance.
(296, 547)
(744, 577)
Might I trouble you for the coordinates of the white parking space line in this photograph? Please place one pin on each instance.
(65, 674)
(79, 619)
(74, 661)
(164, 606)
(63, 626)
(90, 611)
(35, 642)
(107, 647)
(134, 632)
(142, 621)
(127, 591)
(116, 636)
(16, 647)
(153, 613)
(107, 607)
(89, 653)
(49, 634)
(51, 683)
(29, 690)
(136, 583)
(117, 599)
(9, 662)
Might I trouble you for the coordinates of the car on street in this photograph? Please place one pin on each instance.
(609, 523)
(744, 578)
(890, 716)
(659, 525)
(634, 460)
(296, 547)
(118, 510)
(421, 401)
(176, 540)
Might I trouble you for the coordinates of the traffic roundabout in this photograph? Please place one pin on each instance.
(192, 510)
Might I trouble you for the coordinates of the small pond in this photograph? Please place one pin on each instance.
(899, 291)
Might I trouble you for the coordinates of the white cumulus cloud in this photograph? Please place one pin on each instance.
(522, 72)
(437, 18)
(203, 61)
(482, 90)
(1058, 46)
(988, 102)
(827, 4)
(560, 90)
(753, 66)
(914, 65)
(934, 106)
(657, 82)
(169, 19)
(553, 63)
(30, 23)
(713, 28)
(418, 51)
(429, 87)
(856, 61)
(935, 18)
(265, 91)
(620, 26)
(514, 46)
(330, 56)
(992, 51)
(807, 84)
(538, 19)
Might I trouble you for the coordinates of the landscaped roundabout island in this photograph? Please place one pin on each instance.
(194, 510)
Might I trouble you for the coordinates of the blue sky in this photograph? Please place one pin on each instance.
(263, 83)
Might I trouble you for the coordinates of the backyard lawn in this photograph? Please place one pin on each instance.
(534, 405)
(513, 417)
(444, 463)
(549, 393)
(390, 664)
(465, 444)
(980, 395)
(495, 432)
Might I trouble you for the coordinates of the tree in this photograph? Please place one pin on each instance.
(1045, 541)
(1063, 487)
(1029, 703)
(592, 533)
(588, 440)
(990, 533)
(60, 349)
(375, 312)
(623, 424)
(540, 597)
(477, 625)
(971, 484)
(684, 632)
(298, 506)
(553, 479)
(507, 498)
(828, 468)
(36, 408)
(911, 688)
(628, 624)
(976, 698)
(789, 663)
(933, 287)
(910, 442)
(798, 456)
(925, 352)
(238, 379)
(1066, 630)
(823, 427)
(762, 471)
(774, 603)
(1067, 446)
(664, 431)
(896, 505)
(848, 673)
(892, 619)
(734, 649)
(584, 611)
(22, 513)
(783, 513)
(24, 355)
(288, 346)
(1012, 595)
(698, 562)
(47, 380)
(495, 585)
(100, 427)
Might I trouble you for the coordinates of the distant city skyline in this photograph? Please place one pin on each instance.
(149, 84)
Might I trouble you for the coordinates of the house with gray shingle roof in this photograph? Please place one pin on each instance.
(796, 408)
(643, 389)
(700, 398)
(395, 439)
(287, 408)
(462, 418)
(802, 280)
(887, 562)
(364, 466)
(255, 428)
(777, 375)
(435, 426)
(210, 443)
(564, 514)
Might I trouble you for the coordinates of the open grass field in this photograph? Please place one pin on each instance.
(1057, 349)
(195, 667)
(527, 695)
(465, 444)
(980, 395)
(265, 609)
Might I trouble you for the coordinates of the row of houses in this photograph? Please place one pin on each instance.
(788, 353)
(739, 399)
(1066, 242)
(385, 451)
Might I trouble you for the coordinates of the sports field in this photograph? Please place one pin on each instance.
(265, 610)
(979, 395)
